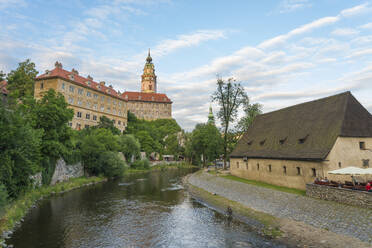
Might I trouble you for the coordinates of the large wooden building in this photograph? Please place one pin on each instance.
(292, 146)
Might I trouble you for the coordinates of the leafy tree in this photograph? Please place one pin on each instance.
(2, 76)
(3, 197)
(111, 164)
(106, 123)
(172, 145)
(98, 142)
(250, 113)
(148, 144)
(130, 147)
(20, 154)
(207, 142)
(229, 96)
(21, 80)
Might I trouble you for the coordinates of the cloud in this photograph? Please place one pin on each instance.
(11, 4)
(287, 6)
(359, 9)
(187, 40)
(345, 32)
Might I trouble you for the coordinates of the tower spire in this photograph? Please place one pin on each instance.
(149, 59)
(148, 84)
(210, 116)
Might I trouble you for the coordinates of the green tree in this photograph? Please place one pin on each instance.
(20, 154)
(250, 113)
(3, 197)
(21, 81)
(98, 142)
(207, 142)
(108, 124)
(2, 76)
(130, 147)
(111, 164)
(148, 144)
(229, 96)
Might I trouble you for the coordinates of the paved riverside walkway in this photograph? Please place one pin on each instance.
(335, 217)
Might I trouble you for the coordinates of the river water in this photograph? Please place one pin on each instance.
(142, 210)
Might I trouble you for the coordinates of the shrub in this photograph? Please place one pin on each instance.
(3, 197)
(111, 164)
(141, 164)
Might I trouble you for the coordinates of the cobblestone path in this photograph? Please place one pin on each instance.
(338, 218)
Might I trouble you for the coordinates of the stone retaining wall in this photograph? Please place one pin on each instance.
(345, 196)
(64, 172)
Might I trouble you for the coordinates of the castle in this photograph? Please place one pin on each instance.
(90, 100)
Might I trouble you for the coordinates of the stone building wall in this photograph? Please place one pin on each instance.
(150, 110)
(64, 172)
(288, 173)
(341, 195)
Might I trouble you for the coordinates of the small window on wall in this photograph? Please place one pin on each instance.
(285, 169)
(365, 162)
(237, 165)
(42, 86)
(298, 170)
(269, 167)
(362, 145)
(87, 116)
(313, 170)
(63, 86)
(119, 122)
(78, 114)
(246, 165)
(70, 124)
(339, 164)
(258, 166)
(94, 117)
(86, 126)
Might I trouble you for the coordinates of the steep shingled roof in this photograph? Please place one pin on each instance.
(146, 97)
(64, 74)
(305, 131)
(3, 89)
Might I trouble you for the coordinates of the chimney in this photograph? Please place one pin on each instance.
(90, 78)
(74, 71)
(102, 83)
(58, 65)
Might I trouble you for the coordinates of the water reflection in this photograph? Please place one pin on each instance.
(149, 210)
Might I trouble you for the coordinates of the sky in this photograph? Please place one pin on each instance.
(283, 52)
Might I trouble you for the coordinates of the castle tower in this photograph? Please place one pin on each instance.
(210, 116)
(148, 83)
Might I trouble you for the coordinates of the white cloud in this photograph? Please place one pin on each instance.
(287, 6)
(359, 9)
(345, 32)
(12, 3)
(366, 26)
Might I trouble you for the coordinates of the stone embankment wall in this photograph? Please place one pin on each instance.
(64, 172)
(345, 196)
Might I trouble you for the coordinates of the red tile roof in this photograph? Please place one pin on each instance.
(146, 97)
(64, 74)
(3, 89)
(127, 96)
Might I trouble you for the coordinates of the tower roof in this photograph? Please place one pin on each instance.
(149, 59)
(305, 131)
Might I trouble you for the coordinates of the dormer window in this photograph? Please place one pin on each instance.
(139, 97)
(89, 83)
(99, 86)
(71, 77)
(262, 142)
(302, 140)
(282, 141)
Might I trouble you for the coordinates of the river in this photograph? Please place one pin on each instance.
(140, 210)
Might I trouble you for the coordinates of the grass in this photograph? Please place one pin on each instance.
(266, 185)
(270, 224)
(17, 209)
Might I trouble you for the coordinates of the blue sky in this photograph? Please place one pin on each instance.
(283, 52)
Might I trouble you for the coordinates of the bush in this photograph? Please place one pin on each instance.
(141, 164)
(111, 164)
(3, 197)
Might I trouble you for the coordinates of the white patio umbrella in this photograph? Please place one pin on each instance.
(349, 171)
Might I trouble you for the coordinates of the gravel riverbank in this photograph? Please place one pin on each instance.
(303, 220)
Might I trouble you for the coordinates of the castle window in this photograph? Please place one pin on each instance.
(87, 116)
(95, 106)
(282, 141)
(70, 100)
(80, 91)
(365, 162)
(237, 165)
(95, 96)
(313, 170)
(86, 126)
(298, 170)
(246, 165)
(79, 102)
(63, 86)
(362, 145)
(78, 114)
(339, 164)
(94, 117)
(119, 112)
(258, 166)
(262, 142)
(302, 140)
(71, 77)
(89, 94)
(269, 167)
(42, 86)
(250, 142)
(102, 108)
(102, 98)
(150, 87)
(119, 103)
(114, 102)
(71, 88)
(119, 122)
(70, 124)
(285, 169)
